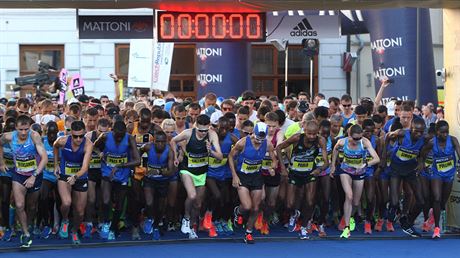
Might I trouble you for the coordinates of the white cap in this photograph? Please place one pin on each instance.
(391, 108)
(47, 118)
(323, 103)
(159, 102)
(72, 100)
(215, 117)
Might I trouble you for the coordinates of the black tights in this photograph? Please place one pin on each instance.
(113, 192)
(46, 201)
(441, 192)
(414, 185)
(6, 199)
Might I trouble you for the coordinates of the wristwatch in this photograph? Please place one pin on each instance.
(35, 173)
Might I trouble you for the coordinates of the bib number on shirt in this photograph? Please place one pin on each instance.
(197, 162)
(72, 168)
(112, 160)
(302, 166)
(406, 155)
(215, 163)
(26, 165)
(444, 165)
(248, 168)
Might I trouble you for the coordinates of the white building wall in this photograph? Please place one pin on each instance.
(93, 59)
(331, 77)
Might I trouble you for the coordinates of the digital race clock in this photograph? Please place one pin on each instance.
(208, 27)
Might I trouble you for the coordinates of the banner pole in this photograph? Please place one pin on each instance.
(311, 79)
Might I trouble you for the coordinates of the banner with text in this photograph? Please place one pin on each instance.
(115, 27)
(140, 63)
(393, 34)
(162, 59)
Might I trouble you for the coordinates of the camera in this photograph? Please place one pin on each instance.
(40, 78)
(441, 73)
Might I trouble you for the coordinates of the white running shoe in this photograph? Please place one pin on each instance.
(185, 228)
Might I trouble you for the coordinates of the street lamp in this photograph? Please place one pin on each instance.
(311, 49)
(283, 45)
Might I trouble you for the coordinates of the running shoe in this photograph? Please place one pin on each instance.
(148, 226)
(293, 220)
(367, 228)
(64, 229)
(185, 227)
(410, 230)
(36, 231)
(389, 226)
(171, 227)
(275, 219)
(379, 225)
(212, 231)
(192, 234)
(259, 221)
(46, 232)
(341, 225)
(322, 231)
(26, 241)
(352, 224)
(227, 228)
(75, 239)
(7, 235)
(426, 227)
(105, 231)
(248, 239)
(219, 228)
(88, 230)
(265, 229)
(82, 228)
(345, 233)
(436, 233)
(111, 236)
(310, 227)
(156, 234)
(303, 233)
(135, 234)
(237, 218)
(207, 220)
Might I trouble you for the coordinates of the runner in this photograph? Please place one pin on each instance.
(72, 155)
(303, 173)
(160, 166)
(444, 147)
(353, 171)
(194, 166)
(30, 159)
(250, 151)
(119, 156)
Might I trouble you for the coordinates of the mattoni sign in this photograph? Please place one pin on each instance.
(115, 27)
(297, 27)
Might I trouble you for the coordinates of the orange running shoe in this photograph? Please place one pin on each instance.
(436, 233)
(265, 229)
(259, 221)
(342, 224)
(297, 227)
(82, 228)
(367, 228)
(426, 227)
(379, 225)
(212, 231)
(207, 220)
(389, 226)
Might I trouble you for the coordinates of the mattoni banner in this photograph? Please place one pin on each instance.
(115, 27)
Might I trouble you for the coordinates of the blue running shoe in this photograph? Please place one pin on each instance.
(111, 236)
(219, 228)
(88, 230)
(105, 230)
(8, 234)
(156, 234)
(148, 226)
(46, 232)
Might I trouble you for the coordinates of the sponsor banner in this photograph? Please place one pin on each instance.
(162, 59)
(77, 86)
(223, 68)
(115, 27)
(296, 28)
(140, 63)
(393, 43)
(453, 206)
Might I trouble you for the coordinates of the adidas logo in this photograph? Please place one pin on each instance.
(303, 29)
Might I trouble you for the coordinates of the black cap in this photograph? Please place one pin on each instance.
(112, 111)
(83, 99)
(303, 106)
(3, 101)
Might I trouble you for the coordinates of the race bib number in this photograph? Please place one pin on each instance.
(267, 163)
(302, 166)
(95, 161)
(72, 168)
(354, 162)
(155, 171)
(445, 165)
(9, 162)
(248, 168)
(197, 162)
(215, 163)
(319, 160)
(406, 155)
(428, 162)
(50, 166)
(26, 165)
(113, 160)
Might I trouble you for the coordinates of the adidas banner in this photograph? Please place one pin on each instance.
(223, 68)
(393, 34)
(295, 28)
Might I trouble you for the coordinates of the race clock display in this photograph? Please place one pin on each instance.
(209, 27)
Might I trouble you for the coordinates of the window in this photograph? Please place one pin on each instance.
(268, 71)
(183, 77)
(122, 65)
(30, 55)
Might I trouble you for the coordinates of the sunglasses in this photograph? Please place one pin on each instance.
(247, 133)
(78, 136)
(227, 109)
(347, 105)
(203, 130)
(180, 118)
(357, 139)
(68, 129)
